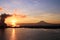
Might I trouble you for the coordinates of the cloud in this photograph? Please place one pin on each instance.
(1, 8)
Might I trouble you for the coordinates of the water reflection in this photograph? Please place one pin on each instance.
(10, 34)
(2, 35)
(29, 34)
(13, 37)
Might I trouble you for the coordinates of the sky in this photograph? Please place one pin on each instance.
(36, 10)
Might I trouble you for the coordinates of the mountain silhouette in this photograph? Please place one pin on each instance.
(43, 23)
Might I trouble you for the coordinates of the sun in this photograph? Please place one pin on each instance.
(13, 22)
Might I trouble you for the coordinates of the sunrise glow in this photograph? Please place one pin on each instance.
(12, 21)
(30, 11)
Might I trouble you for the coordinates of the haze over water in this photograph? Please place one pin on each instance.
(29, 34)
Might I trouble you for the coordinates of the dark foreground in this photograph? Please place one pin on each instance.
(29, 34)
(45, 27)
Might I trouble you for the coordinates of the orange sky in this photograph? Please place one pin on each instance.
(50, 18)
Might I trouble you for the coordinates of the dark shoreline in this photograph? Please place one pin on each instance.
(35, 27)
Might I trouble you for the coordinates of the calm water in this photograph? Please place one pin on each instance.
(29, 34)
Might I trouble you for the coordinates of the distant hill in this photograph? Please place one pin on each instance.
(41, 24)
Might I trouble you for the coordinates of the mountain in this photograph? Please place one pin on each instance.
(43, 23)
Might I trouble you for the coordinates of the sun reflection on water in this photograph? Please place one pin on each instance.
(13, 35)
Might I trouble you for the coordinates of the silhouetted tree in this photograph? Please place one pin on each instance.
(3, 16)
